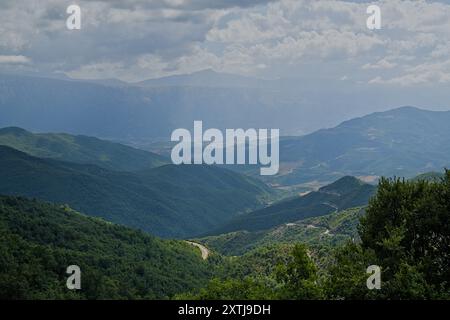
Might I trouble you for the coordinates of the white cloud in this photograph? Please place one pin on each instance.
(423, 74)
(137, 39)
(14, 60)
(382, 64)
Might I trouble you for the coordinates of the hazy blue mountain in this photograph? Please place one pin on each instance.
(137, 113)
(54, 105)
(402, 142)
(347, 192)
(405, 141)
(169, 201)
(38, 241)
(208, 78)
(140, 113)
(80, 149)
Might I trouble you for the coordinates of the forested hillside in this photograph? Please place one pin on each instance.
(38, 241)
(405, 232)
(169, 201)
(80, 149)
(328, 231)
(345, 193)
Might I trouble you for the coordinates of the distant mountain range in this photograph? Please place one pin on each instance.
(345, 193)
(208, 78)
(168, 201)
(403, 142)
(139, 113)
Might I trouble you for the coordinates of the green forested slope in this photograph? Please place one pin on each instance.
(39, 240)
(324, 231)
(80, 149)
(345, 193)
(404, 231)
(168, 201)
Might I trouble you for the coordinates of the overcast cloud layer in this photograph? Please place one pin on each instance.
(134, 40)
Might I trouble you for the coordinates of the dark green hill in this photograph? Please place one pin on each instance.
(347, 192)
(80, 149)
(169, 201)
(38, 241)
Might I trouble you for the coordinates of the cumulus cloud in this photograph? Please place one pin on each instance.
(13, 60)
(423, 74)
(382, 64)
(138, 39)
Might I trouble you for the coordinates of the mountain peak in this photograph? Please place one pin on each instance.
(405, 110)
(209, 71)
(205, 78)
(344, 183)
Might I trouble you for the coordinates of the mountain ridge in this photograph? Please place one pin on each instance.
(320, 232)
(345, 193)
(405, 141)
(157, 200)
(80, 149)
(138, 113)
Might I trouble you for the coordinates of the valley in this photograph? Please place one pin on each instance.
(330, 230)
(169, 201)
(128, 215)
(211, 157)
(345, 193)
(80, 149)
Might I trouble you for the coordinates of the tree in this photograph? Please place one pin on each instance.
(298, 278)
(406, 231)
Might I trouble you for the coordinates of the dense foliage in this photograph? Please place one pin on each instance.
(406, 232)
(292, 277)
(38, 241)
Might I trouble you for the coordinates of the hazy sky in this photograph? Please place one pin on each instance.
(135, 39)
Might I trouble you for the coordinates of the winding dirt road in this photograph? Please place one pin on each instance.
(203, 249)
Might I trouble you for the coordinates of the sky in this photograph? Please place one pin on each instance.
(134, 40)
